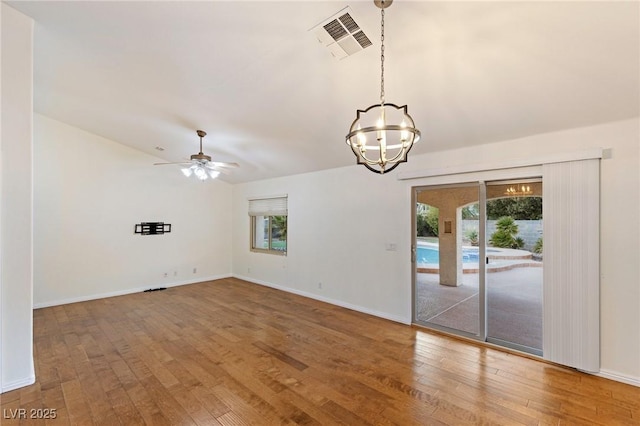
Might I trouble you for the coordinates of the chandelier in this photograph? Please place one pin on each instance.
(516, 191)
(382, 135)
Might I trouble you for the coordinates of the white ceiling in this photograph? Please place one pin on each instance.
(271, 98)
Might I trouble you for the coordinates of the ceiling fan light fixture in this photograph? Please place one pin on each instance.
(382, 135)
(200, 173)
(201, 166)
(200, 170)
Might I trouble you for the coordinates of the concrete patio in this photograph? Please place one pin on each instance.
(514, 299)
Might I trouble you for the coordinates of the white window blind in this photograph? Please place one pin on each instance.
(274, 206)
(571, 211)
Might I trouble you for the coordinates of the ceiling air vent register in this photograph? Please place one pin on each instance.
(341, 34)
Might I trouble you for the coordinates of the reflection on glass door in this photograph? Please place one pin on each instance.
(514, 267)
(447, 258)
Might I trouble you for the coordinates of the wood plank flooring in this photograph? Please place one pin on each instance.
(228, 352)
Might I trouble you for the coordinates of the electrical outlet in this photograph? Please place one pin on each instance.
(166, 274)
(195, 270)
(175, 273)
(320, 286)
(248, 270)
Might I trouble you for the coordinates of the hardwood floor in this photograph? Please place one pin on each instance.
(229, 352)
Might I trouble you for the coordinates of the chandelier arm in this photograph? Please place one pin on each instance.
(364, 160)
(383, 170)
(387, 170)
(401, 153)
(369, 162)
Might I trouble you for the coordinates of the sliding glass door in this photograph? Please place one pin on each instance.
(447, 258)
(478, 261)
(514, 264)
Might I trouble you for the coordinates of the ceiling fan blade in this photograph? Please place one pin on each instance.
(179, 162)
(221, 164)
(223, 171)
(216, 168)
(201, 161)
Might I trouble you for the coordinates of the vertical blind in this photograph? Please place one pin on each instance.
(271, 206)
(571, 289)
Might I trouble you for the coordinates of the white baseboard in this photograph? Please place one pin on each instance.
(127, 291)
(6, 387)
(618, 377)
(342, 304)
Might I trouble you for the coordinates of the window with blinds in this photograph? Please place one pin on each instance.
(268, 218)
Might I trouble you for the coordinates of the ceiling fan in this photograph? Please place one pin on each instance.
(201, 165)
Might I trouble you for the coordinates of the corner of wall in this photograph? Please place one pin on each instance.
(16, 225)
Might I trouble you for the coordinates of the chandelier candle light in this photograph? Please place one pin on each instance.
(518, 191)
(378, 145)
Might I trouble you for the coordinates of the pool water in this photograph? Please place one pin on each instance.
(431, 254)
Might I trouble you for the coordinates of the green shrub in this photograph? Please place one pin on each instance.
(537, 248)
(432, 217)
(504, 236)
(518, 243)
(472, 236)
(422, 227)
(501, 239)
(427, 222)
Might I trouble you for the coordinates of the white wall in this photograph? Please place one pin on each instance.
(341, 219)
(16, 280)
(339, 222)
(89, 194)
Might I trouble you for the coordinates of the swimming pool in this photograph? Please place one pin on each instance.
(431, 254)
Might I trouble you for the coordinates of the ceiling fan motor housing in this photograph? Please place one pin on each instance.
(201, 157)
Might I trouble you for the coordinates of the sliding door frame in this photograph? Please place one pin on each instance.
(495, 340)
(557, 347)
(482, 261)
(480, 179)
(482, 301)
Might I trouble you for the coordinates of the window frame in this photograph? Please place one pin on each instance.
(267, 208)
